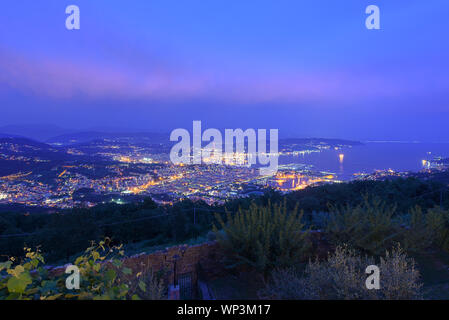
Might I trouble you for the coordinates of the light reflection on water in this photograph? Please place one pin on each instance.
(370, 157)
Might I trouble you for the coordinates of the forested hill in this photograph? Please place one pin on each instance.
(63, 234)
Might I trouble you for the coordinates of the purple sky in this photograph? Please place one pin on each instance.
(308, 68)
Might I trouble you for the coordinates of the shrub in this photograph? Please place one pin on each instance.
(263, 237)
(102, 277)
(368, 226)
(438, 222)
(424, 230)
(399, 276)
(147, 287)
(342, 276)
(418, 234)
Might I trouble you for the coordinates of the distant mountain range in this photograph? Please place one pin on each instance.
(83, 137)
(39, 132)
(19, 154)
(55, 135)
(6, 135)
(19, 146)
(22, 142)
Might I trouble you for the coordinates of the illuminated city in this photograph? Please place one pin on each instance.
(240, 153)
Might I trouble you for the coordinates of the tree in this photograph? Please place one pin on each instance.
(264, 237)
(368, 226)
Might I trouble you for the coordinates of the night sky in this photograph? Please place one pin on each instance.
(305, 67)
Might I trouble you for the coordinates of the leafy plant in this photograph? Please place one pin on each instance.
(263, 237)
(103, 276)
(425, 229)
(368, 226)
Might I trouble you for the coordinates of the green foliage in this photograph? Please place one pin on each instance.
(149, 287)
(263, 237)
(426, 229)
(373, 227)
(418, 234)
(368, 226)
(65, 234)
(68, 232)
(342, 276)
(27, 279)
(102, 277)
